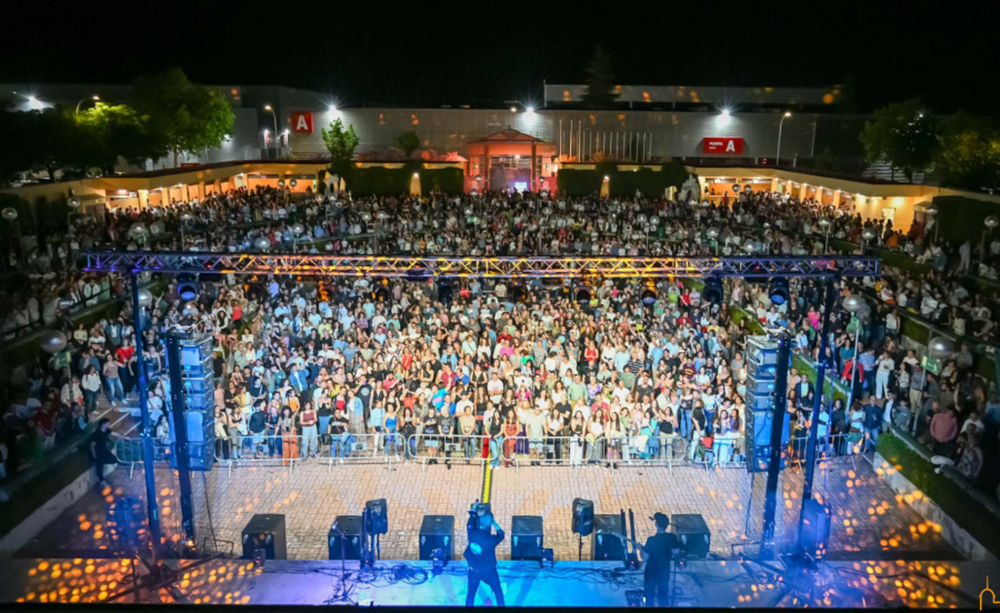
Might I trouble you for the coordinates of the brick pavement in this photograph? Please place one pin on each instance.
(869, 519)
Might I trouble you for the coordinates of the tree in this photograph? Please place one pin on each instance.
(600, 92)
(182, 116)
(902, 134)
(113, 131)
(340, 142)
(408, 142)
(969, 157)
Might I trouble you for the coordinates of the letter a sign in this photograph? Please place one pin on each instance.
(722, 145)
(302, 123)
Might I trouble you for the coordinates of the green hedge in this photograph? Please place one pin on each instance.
(395, 181)
(962, 218)
(955, 501)
(622, 183)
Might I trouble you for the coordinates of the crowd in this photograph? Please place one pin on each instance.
(521, 366)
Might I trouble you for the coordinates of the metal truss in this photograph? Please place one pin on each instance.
(495, 267)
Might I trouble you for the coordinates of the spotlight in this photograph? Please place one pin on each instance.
(648, 295)
(187, 287)
(582, 295)
(444, 291)
(518, 294)
(381, 292)
(713, 292)
(778, 291)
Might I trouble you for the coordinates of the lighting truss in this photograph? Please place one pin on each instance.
(470, 266)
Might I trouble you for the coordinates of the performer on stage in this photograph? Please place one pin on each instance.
(481, 554)
(657, 555)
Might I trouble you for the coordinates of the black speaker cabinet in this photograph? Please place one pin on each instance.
(527, 537)
(348, 545)
(265, 532)
(693, 534)
(603, 546)
(437, 532)
(380, 516)
(815, 529)
(583, 516)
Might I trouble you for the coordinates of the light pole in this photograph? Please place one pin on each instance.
(932, 213)
(867, 236)
(990, 222)
(825, 224)
(781, 124)
(95, 98)
(267, 107)
(297, 230)
(185, 218)
(853, 304)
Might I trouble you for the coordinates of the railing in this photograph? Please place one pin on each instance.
(261, 450)
(128, 450)
(575, 451)
(428, 448)
(842, 446)
(361, 448)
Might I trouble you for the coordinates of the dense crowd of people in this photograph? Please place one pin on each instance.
(307, 369)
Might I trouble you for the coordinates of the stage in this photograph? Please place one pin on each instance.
(700, 583)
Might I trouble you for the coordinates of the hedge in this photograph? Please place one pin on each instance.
(954, 500)
(622, 183)
(395, 181)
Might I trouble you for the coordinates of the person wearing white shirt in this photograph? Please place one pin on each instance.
(885, 367)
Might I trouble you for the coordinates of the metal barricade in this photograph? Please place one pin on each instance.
(646, 450)
(573, 451)
(262, 450)
(362, 448)
(128, 450)
(425, 448)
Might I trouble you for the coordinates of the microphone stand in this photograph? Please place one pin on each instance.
(343, 567)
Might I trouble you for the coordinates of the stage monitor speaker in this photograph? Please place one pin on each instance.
(693, 534)
(583, 517)
(603, 546)
(815, 529)
(437, 532)
(380, 516)
(265, 532)
(527, 537)
(348, 545)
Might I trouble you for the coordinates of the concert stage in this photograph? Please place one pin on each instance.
(712, 583)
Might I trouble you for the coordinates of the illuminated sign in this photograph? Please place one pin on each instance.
(302, 123)
(722, 145)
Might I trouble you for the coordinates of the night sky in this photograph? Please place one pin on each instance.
(419, 55)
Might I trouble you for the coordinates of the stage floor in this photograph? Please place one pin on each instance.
(568, 584)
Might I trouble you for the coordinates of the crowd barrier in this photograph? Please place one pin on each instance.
(426, 448)
(362, 448)
(128, 450)
(577, 451)
(260, 450)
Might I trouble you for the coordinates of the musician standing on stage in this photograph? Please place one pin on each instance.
(481, 554)
(657, 556)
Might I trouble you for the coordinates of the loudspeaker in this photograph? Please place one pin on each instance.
(583, 516)
(815, 529)
(437, 532)
(602, 546)
(265, 532)
(758, 440)
(693, 534)
(350, 525)
(379, 516)
(527, 537)
(201, 438)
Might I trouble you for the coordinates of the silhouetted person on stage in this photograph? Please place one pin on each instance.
(657, 555)
(481, 554)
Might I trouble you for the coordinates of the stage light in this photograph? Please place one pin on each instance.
(513, 109)
(530, 109)
(444, 288)
(582, 295)
(778, 291)
(648, 295)
(332, 108)
(713, 292)
(187, 287)
(381, 293)
(518, 294)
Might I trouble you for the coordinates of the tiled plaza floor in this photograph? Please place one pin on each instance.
(869, 519)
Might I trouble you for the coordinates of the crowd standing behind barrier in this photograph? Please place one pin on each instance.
(321, 367)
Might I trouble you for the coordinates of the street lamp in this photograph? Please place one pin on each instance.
(867, 236)
(853, 304)
(990, 222)
(95, 98)
(267, 107)
(777, 158)
(932, 212)
(825, 224)
(297, 229)
(186, 217)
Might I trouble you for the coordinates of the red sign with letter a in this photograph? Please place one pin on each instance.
(722, 145)
(302, 123)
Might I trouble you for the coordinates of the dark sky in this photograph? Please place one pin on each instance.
(402, 52)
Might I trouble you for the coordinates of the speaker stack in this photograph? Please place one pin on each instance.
(762, 364)
(198, 378)
(265, 532)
